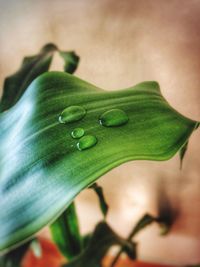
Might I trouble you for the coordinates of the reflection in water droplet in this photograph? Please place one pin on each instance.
(86, 142)
(72, 114)
(113, 117)
(77, 133)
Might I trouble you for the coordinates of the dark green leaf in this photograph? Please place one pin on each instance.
(65, 233)
(14, 258)
(146, 220)
(167, 213)
(102, 202)
(71, 61)
(31, 68)
(103, 238)
(141, 224)
(183, 150)
(41, 168)
(86, 239)
(182, 153)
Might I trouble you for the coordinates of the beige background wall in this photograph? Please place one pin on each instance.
(122, 43)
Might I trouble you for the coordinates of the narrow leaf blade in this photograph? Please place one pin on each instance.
(65, 233)
(145, 221)
(168, 212)
(31, 68)
(182, 153)
(71, 61)
(102, 201)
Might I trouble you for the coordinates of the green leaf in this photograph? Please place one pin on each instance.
(14, 258)
(182, 152)
(102, 202)
(86, 238)
(31, 68)
(41, 168)
(102, 239)
(145, 221)
(65, 233)
(71, 61)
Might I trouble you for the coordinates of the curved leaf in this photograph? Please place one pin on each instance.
(31, 68)
(102, 201)
(71, 61)
(182, 153)
(143, 222)
(41, 168)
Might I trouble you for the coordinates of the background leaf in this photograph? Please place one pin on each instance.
(168, 212)
(42, 170)
(31, 68)
(65, 233)
(182, 152)
(145, 221)
(71, 61)
(102, 239)
(102, 202)
(14, 258)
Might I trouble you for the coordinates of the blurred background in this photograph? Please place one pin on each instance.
(122, 43)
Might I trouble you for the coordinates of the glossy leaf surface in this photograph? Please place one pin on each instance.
(41, 169)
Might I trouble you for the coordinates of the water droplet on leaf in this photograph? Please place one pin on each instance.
(113, 117)
(77, 133)
(72, 114)
(86, 142)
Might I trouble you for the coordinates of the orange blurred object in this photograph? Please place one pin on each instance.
(51, 257)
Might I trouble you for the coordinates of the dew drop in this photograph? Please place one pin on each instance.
(86, 142)
(113, 117)
(72, 114)
(77, 133)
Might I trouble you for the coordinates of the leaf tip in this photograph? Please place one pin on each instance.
(50, 47)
